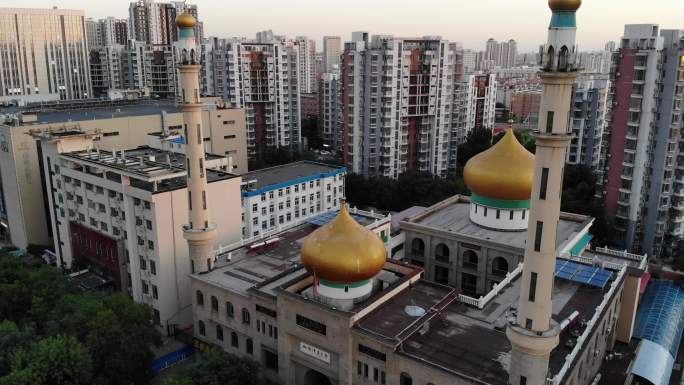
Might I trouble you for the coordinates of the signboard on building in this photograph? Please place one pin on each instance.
(314, 352)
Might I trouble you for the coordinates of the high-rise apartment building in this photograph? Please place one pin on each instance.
(154, 22)
(44, 55)
(261, 76)
(105, 32)
(397, 104)
(500, 54)
(641, 164)
(481, 102)
(330, 114)
(332, 49)
(595, 62)
(306, 50)
(588, 120)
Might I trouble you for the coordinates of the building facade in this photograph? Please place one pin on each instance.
(106, 32)
(330, 114)
(397, 100)
(306, 51)
(332, 50)
(45, 55)
(261, 76)
(121, 213)
(641, 141)
(154, 23)
(280, 197)
(481, 99)
(588, 120)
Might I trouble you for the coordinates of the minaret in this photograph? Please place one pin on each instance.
(534, 334)
(200, 233)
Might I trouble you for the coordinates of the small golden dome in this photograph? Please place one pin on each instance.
(343, 251)
(505, 171)
(565, 5)
(186, 20)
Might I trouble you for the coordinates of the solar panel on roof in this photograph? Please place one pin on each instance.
(584, 274)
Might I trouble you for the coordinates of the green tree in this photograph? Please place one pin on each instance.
(478, 140)
(59, 360)
(117, 332)
(217, 367)
(11, 339)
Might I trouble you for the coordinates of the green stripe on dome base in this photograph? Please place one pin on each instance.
(564, 19)
(342, 285)
(500, 203)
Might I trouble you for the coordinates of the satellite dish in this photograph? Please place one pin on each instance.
(414, 311)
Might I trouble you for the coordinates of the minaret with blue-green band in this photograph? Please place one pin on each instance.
(533, 332)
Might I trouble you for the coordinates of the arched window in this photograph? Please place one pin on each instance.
(230, 310)
(418, 247)
(405, 379)
(550, 58)
(245, 316)
(214, 303)
(500, 266)
(202, 328)
(219, 333)
(234, 340)
(249, 346)
(442, 253)
(470, 259)
(200, 298)
(563, 59)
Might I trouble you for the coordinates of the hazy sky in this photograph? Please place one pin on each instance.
(470, 22)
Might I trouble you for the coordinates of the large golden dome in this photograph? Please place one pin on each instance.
(186, 20)
(505, 171)
(565, 5)
(343, 251)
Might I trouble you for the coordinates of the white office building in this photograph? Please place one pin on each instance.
(121, 214)
(283, 196)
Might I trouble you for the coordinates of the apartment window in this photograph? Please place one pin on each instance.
(533, 287)
(214, 303)
(155, 292)
(538, 236)
(148, 224)
(230, 310)
(199, 296)
(219, 333)
(528, 324)
(255, 208)
(245, 316)
(544, 182)
(249, 346)
(549, 121)
(523, 380)
(150, 245)
(153, 267)
(234, 342)
(143, 263)
(202, 328)
(204, 199)
(145, 287)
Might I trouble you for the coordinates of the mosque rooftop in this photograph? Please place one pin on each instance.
(471, 342)
(453, 217)
(267, 263)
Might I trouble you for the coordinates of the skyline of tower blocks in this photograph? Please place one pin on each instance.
(534, 333)
(199, 232)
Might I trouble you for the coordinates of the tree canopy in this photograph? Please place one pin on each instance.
(216, 367)
(43, 318)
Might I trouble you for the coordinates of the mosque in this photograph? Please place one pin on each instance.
(497, 288)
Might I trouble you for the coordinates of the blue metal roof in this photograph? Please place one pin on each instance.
(660, 317)
(653, 362)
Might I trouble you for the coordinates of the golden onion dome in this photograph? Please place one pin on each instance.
(343, 251)
(565, 5)
(186, 20)
(504, 171)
